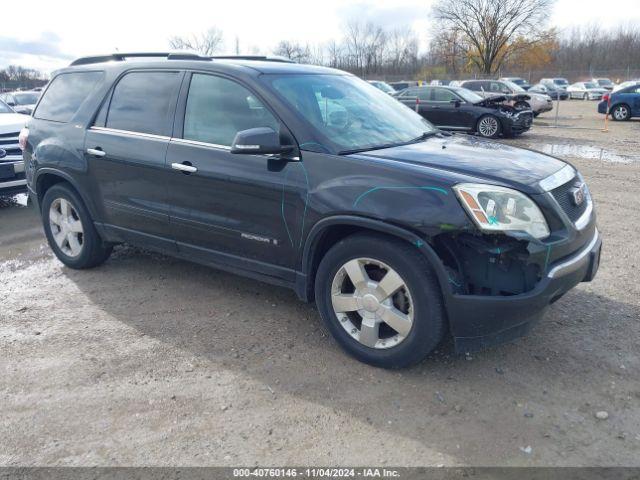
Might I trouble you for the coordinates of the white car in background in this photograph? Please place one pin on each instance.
(586, 91)
(626, 84)
(12, 179)
(22, 101)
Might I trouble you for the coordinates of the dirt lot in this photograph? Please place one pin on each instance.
(149, 360)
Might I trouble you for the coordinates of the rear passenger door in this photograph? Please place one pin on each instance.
(229, 209)
(126, 149)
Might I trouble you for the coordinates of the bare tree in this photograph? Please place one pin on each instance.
(206, 43)
(293, 51)
(488, 27)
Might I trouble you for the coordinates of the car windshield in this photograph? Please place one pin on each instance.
(560, 81)
(590, 85)
(26, 98)
(348, 113)
(605, 81)
(515, 87)
(468, 95)
(4, 108)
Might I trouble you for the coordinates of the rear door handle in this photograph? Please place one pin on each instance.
(96, 152)
(184, 167)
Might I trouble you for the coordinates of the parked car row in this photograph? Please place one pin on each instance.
(21, 101)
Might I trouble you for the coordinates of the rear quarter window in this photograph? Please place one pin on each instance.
(65, 95)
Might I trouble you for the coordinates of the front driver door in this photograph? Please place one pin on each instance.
(229, 209)
(449, 114)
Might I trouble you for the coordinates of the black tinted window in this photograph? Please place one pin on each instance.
(143, 102)
(218, 108)
(475, 86)
(66, 93)
(443, 95)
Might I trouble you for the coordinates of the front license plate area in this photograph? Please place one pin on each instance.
(6, 172)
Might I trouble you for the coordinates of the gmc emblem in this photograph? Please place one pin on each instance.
(579, 194)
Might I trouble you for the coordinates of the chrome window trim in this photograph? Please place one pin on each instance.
(575, 262)
(199, 144)
(116, 131)
(561, 177)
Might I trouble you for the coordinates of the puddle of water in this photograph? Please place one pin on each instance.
(588, 152)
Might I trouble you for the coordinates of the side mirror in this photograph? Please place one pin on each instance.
(455, 103)
(258, 141)
(11, 104)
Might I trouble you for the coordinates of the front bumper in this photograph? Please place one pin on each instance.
(12, 178)
(518, 124)
(483, 321)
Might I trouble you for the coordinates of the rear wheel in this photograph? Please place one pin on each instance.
(620, 113)
(70, 230)
(488, 126)
(380, 300)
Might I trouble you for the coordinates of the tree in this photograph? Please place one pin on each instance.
(488, 27)
(206, 43)
(293, 51)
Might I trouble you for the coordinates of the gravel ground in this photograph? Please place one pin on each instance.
(149, 360)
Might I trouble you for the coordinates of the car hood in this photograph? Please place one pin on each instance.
(495, 99)
(485, 160)
(12, 122)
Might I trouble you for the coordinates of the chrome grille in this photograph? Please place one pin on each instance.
(9, 143)
(564, 197)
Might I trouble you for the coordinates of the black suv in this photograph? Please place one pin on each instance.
(310, 178)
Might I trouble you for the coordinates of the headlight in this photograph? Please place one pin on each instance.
(500, 209)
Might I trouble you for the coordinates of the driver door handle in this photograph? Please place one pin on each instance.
(96, 152)
(184, 168)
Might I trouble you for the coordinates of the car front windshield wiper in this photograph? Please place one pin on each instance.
(424, 136)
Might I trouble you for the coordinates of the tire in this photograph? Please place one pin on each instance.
(621, 113)
(64, 216)
(535, 114)
(585, 96)
(521, 106)
(487, 120)
(418, 302)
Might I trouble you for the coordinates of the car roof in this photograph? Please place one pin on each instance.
(248, 64)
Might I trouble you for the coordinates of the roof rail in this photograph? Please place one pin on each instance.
(261, 58)
(118, 57)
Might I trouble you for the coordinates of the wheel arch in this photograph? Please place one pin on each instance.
(328, 231)
(48, 177)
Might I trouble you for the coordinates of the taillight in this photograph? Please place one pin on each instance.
(23, 137)
(605, 97)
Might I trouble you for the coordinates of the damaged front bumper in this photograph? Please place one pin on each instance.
(480, 321)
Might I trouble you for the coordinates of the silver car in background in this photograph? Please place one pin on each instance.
(518, 96)
(605, 83)
(586, 91)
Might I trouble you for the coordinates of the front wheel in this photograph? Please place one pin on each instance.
(620, 113)
(70, 230)
(521, 106)
(488, 126)
(380, 300)
(585, 96)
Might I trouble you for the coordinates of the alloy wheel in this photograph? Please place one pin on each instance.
(620, 113)
(488, 127)
(372, 303)
(66, 227)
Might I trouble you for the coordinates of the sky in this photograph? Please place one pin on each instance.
(53, 32)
